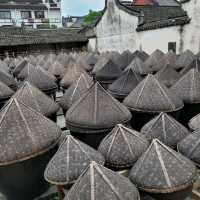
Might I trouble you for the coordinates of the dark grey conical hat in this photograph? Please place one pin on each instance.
(36, 99)
(24, 133)
(122, 147)
(194, 65)
(184, 59)
(20, 67)
(97, 109)
(83, 63)
(167, 75)
(188, 87)
(138, 66)
(72, 74)
(75, 91)
(124, 84)
(152, 96)
(100, 183)
(5, 91)
(167, 59)
(25, 71)
(153, 58)
(124, 59)
(57, 69)
(166, 129)
(162, 170)
(194, 123)
(8, 80)
(101, 63)
(92, 59)
(70, 161)
(41, 79)
(190, 147)
(109, 71)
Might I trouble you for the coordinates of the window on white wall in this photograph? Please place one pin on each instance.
(39, 14)
(5, 15)
(26, 14)
(172, 46)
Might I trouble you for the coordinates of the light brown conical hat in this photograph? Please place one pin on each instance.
(24, 133)
(101, 183)
(70, 161)
(152, 96)
(97, 109)
(8, 80)
(184, 59)
(122, 147)
(36, 99)
(188, 87)
(19, 67)
(166, 129)
(153, 58)
(5, 91)
(195, 64)
(138, 66)
(72, 74)
(57, 69)
(162, 170)
(75, 91)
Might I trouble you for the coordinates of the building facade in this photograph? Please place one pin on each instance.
(168, 25)
(31, 13)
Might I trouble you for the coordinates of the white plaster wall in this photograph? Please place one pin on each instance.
(159, 39)
(191, 32)
(55, 17)
(116, 30)
(92, 44)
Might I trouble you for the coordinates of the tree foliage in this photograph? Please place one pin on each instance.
(92, 17)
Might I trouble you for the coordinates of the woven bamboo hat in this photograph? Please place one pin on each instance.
(4, 66)
(166, 129)
(25, 133)
(142, 55)
(167, 59)
(110, 71)
(138, 66)
(167, 75)
(57, 70)
(36, 99)
(8, 80)
(83, 63)
(152, 96)
(5, 92)
(122, 147)
(70, 161)
(188, 87)
(19, 67)
(25, 71)
(194, 123)
(124, 59)
(75, 91)
(101, 183)
(190, 147)
(124, 84)
(100, 64)
(92, 59)
(96, 110)
(41, 79)
(184, 59)
(195, 64)
(72, 74)
(162, 170)
(153, 58)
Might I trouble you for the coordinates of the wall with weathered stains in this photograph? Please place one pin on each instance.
(117, 30)
(191, 32)
(159, 39)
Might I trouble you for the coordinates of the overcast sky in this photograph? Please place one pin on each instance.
(81, 7)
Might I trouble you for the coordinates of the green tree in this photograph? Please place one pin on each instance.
(92, 17)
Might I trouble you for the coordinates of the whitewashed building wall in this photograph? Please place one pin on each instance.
(116, 31)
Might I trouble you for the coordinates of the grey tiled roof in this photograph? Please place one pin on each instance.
(18, 36)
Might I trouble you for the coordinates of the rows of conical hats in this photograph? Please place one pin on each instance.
(154, 154)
